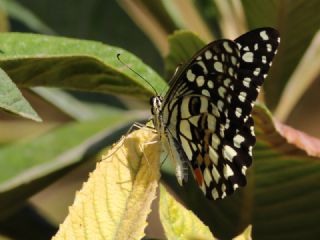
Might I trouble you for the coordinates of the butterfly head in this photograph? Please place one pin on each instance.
(156, 104)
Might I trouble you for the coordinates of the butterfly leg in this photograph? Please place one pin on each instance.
(134, 126)
(164, 160)
(143, 147)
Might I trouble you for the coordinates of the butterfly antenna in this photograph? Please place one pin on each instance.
(124, 64)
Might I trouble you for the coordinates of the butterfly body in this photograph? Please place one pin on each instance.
(170, 145)
(204, 121)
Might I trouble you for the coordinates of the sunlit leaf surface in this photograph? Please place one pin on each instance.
(115, 201)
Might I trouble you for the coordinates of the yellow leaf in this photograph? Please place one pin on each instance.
(115, 201)
(246, 235)
(180, 223)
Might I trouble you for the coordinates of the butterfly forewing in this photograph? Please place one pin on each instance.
(207, 109)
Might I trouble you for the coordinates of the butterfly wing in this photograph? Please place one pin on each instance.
(208, 107)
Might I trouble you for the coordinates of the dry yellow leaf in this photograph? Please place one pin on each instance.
(115, 201)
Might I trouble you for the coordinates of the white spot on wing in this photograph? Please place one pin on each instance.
(204, 105)
(185, 129)
(185, 108)
(215, 194)
(194, 120)
(246, 82)
(250, 151)
(247, 57)
(203, 188)
(227, 171)
(252, 131)
(227, 47)
(264, 36)
(243, 170)
(223, 195)
(218, 66)
(229, 98)
(215, 141)
(222, 130)
(215, 111)
(207, 176)
(205, 92)
(221, 91)
(201, 64)
(220, 105)
(256, 72)
(238, 112)
(237, 140)
(222, 57)
(242, 96)
(233, 60)
(208, 54)
(186, 148)
(190, 76)
(231, 71)
(228, 152)
(211, 122)
(215, 174)
(227, 82)
(210, 84)
(200, 81)
(227, 123)
(213, 156)
(264, 59)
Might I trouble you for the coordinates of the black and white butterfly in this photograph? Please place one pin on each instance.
(205, 121)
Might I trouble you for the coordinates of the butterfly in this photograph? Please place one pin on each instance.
(204, 120)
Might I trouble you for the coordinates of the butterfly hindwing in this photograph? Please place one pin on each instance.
(207, 109)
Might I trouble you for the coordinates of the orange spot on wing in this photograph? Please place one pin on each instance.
(198, 175)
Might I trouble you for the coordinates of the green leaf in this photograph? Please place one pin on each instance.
(23, 129)
(183, 45)
(178, 222)
(210, 13)
(262, 13)
(71, 106)
(186, 16)
(308, 70)
(15, 10)
(97, 22)
(27, 167)
(12, 100)
(297, 22)
(4, 21)
(38, 60)
(158, 11)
